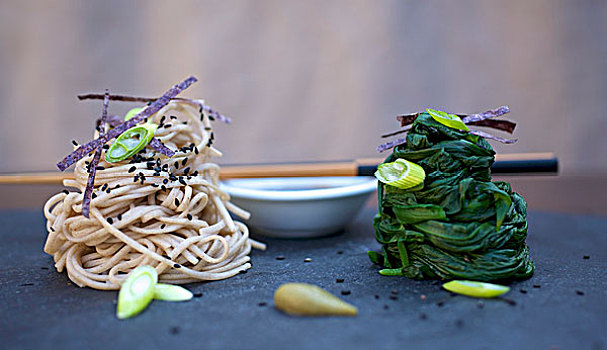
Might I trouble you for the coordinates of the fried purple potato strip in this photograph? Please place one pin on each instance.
(86, 200)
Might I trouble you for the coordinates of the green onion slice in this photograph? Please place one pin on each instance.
(400, 173)
(136, 292)
(476, 289)
(450, 120)
(169, 292)
(130, 142)
(133, 112)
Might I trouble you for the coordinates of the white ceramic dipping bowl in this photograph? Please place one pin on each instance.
(300, 207)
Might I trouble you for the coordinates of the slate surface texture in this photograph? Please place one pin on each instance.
(563, 306)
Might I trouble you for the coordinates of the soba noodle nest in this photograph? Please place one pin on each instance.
(141, 216)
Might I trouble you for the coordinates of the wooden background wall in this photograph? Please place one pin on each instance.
(307, 80)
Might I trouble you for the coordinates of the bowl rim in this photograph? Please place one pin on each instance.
(338, 187)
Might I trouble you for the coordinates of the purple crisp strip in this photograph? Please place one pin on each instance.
(491, 137)
(216, 115)
(492, 113)
(391, 144)
(160, 147)
(126, 98)
(83, 150)
(86, 200)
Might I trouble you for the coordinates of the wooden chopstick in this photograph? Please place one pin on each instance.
(515, 163)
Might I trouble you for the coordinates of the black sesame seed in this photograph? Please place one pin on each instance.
(212, 136)
(66, 191)
(280, 257)
(94, 195)
(186, 170)
(166, 126)
(537, 286)
(262, 303)
(339, 280)
(211, 118)
(579, 292)
(154, 185)
(196, 150)
(133, 168)
(176, 265)
(184, 161)
(197, 295)
(105, 147)
(195, 173)
(176, 202)
(165, 181)
(99, 167)
(586, 257)
(108, 190)
(524, 291)
(156, 174)
(110, 221)
(119, 217)
(163, 226)
(182, 181)
(376, 296)
(104, 187)
(339, 252)
(163, 187)
(52, 229)
(163, 118)
(176, 164)
(74, 143)
(190, 217)
(173, 117)
(242, 271)
(345, 292)
(207, 128)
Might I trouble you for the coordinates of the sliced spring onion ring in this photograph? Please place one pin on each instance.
(400, 173)
(136, 292)
(133, 112)
(130, 142)
(169, 292)
(450, 120)
(476, 289)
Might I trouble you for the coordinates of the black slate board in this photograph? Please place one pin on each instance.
(40, 308)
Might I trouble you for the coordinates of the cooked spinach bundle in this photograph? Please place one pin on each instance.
(458, 224)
